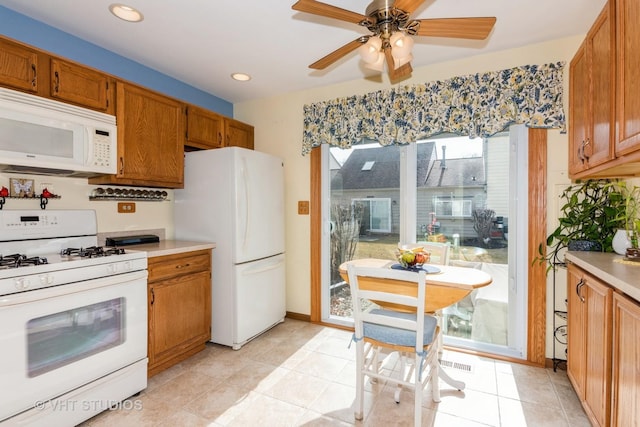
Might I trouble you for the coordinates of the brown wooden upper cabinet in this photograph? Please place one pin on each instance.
(30, 70)
(591, 95)
(80, 85)
(150, 139)
(604, 109)
(20, 66)
(628, 79)
(207, 130)
(238, 134)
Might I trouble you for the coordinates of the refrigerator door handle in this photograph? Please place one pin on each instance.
(247, 198)
(271, 266)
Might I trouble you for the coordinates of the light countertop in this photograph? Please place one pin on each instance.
(624, 277)
(171, 247)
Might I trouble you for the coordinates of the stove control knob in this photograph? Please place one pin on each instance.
(127, 266)
(22, 283)
(111, 269)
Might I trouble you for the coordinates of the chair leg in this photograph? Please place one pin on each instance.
(401, 374)
(417, 389)
(440, 344)
(359, 403)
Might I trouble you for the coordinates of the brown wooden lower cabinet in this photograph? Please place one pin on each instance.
(625, 410)
(603, 350)
(179, 304)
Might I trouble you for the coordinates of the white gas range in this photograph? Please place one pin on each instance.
(73, 319)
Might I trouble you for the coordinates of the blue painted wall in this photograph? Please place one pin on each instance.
(35, 33)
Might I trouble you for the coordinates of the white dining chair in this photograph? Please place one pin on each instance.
(405, 328)
(440, 252)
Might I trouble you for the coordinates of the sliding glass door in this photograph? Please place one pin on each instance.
(470, 194)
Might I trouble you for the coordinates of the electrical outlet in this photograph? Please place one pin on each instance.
(126, 207)
(303, 207)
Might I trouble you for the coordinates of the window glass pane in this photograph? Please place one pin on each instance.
(365, 194)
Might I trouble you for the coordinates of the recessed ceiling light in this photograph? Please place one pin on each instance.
(241, 77)
(126, 13)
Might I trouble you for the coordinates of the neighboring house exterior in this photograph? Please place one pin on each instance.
(448, 190)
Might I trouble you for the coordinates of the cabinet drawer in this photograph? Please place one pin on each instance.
(163, 267)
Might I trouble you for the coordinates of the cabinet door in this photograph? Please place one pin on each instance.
(601, 39)
(578, 110)
(592, 97)
(80, 85)
(180, 310)
(576, 359)
(150, 139)
(204, 129)
(18, 66)
(598, 326)
(238, 134)
(626, 362)
(628, 52)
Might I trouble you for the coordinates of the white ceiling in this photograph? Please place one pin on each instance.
(202, 42)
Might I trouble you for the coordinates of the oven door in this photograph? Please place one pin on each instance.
(56, 339)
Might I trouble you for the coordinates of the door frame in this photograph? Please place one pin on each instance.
(537, 230)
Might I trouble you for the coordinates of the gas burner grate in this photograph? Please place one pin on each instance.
(20, 260)
(91, 252)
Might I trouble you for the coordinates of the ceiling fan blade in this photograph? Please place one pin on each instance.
(462, 28)
(323, 9)
(396, 74)
(408, 6)
(323, 63)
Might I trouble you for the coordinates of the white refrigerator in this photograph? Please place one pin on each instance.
(234, 197)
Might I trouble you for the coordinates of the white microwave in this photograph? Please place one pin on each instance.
(47, 137)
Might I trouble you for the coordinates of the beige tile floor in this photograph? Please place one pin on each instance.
(300, 374)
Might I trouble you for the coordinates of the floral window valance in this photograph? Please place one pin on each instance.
(478, 105)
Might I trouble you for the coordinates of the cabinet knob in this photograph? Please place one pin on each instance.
(585, 144)
(35, 75)
(56, 86)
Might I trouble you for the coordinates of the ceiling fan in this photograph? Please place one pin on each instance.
(391, 27)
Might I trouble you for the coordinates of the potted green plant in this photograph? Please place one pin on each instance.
(592, 212)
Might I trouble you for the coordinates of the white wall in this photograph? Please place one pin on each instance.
(278, 130)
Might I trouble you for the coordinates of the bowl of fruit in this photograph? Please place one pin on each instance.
(413, 258)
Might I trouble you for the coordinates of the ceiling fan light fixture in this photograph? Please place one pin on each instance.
(370, 51)
(401, 46)
(378, 64)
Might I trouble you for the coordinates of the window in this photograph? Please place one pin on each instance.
(453, 206)
(376, 214)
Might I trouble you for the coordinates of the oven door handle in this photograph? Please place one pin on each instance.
(70, 288)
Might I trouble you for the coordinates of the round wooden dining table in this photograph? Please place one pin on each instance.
(446, 287)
